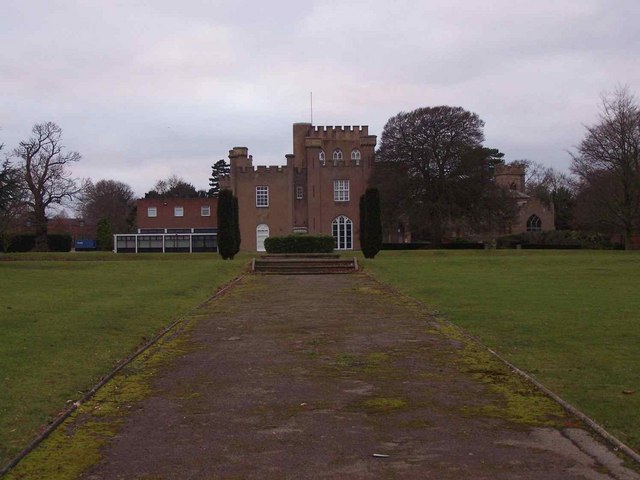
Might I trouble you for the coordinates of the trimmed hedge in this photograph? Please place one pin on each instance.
(557, 239)
(300, 243)
(58, 242)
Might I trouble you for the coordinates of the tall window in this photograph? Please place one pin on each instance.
(342, 228)
(152, 212)
(205, 211)
(322, 158)
(355, 156)
(337, 155)
(262, 233)
(534, 224)
(178, 211)
(341, 190)
(299, 192)
(262, 196)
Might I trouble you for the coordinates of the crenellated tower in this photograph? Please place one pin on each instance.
(320, 184)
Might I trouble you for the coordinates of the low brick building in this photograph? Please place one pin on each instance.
(316, 192)
(184, 214)
(172, 225)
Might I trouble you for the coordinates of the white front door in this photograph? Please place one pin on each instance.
(262, 233)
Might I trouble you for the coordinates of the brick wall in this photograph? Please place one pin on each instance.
(165, 213)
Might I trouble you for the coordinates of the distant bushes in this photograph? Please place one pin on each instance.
(558, 239)
(554, 239)
(299, 243)
(58, 242)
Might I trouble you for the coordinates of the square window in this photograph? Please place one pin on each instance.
(205, 211)
(262, 196)
(178, 212)
(299, 192)
(152, 212)
(341, 190)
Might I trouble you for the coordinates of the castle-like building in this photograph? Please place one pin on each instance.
(316, 192)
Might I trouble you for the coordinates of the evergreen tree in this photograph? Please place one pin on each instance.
(236, 225)
(362, 223)
(104, 235)
(218, 169)
(370, 206)
(226, 228)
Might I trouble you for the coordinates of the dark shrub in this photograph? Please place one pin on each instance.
(59, 242)
(298, 243)
(22, 243)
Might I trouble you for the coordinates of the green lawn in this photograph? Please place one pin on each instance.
(572, 319)
(66, 319)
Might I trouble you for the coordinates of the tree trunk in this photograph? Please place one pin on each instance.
(628, 233)
(40, 221)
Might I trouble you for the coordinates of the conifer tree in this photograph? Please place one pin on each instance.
(236, 225)
(104, 235)
(371, 224)
(226, 229)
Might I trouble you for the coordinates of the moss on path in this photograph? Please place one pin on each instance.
(316, 376)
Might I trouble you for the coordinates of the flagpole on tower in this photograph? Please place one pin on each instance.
(311, 98)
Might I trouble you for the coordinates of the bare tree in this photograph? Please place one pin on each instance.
(108, 199)
(46, 174)
(173, 187)
(553, 188)
(607, 161)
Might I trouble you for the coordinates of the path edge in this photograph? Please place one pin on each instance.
(104, 380)
(589, 422)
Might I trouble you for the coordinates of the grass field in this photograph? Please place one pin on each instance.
(66, 319)
(572, 319)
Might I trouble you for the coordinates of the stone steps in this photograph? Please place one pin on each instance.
(278, 265)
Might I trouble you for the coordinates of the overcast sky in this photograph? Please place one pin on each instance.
(145, 89)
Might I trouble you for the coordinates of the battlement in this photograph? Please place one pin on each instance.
(346, 131)
(509, 170)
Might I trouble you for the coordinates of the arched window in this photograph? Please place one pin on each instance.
(337, 155)
(534, 224)
(513, 186)
(321, 158)
(355, 156)
(342, 228)
(262, 233)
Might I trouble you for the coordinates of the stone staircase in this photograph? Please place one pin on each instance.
(303, 264)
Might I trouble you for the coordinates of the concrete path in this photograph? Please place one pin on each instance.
(336, 377)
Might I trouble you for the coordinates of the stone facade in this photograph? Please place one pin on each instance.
(533, 214)
(177, 213)
(316, 192)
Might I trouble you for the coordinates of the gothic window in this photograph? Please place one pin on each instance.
(534, 224)
(321, 158)
(342, 228)
(513, 186)
(355, 156)
(337, 155)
